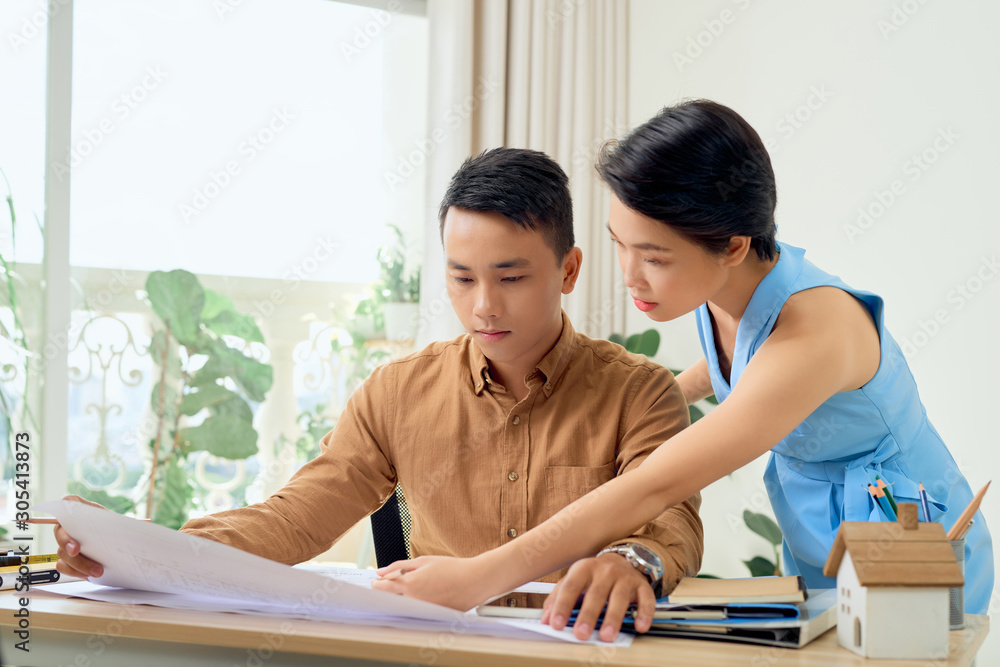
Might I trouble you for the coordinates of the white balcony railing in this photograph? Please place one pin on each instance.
(111, 375)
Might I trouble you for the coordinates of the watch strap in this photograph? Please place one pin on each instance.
(653, 571)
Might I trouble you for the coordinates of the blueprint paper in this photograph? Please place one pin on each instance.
(148, 564)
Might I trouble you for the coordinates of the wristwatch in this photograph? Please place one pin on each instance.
(643, 559)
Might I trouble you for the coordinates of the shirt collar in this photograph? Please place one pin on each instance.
(551, 366)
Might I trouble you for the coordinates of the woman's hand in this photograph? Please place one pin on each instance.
(459, 583)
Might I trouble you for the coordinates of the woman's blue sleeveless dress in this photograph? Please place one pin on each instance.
(818, 476)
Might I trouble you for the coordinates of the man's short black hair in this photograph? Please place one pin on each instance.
(527, 187)
(700, 168)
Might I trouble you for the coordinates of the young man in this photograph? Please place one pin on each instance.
(493, 432)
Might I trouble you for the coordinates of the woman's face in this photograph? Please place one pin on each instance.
(666, 274)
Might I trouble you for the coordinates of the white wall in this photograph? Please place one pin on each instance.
(885, 80)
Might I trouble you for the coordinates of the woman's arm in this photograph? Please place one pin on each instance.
(695, 382)
(821, 345)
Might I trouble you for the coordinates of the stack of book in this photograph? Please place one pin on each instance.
(776, 611)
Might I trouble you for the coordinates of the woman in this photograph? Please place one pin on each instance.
(801, 363)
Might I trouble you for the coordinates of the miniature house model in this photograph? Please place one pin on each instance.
(892, 587)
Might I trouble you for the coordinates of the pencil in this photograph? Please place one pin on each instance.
(923, 502)
(968, 527)
(882, 501)
(967, 514)
(888, 494)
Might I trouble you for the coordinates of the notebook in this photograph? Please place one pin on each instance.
(696, 590)
(816, 615)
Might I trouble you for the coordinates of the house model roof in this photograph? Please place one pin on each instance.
(888, 554)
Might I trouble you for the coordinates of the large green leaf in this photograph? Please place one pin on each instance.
(235, 407)
(225, 436)
(763, 525)
(647, 343)
(617, 338)
(250, 375)
(695, 413)
(221, 316)
(178, 298)
(173, 360)
(215, 303)
(172, 496)
(115, 503)
(760, 567)
(169, 406)
(231, 323)
(208, 395)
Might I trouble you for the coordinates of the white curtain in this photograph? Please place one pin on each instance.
(543, 74)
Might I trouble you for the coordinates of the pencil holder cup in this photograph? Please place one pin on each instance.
(956, 596)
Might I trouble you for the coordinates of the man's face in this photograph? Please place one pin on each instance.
(505, 285)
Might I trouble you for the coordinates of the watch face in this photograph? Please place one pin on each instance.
(644, 553)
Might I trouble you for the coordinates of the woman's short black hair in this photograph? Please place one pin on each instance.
(526, 186)
(700, 168)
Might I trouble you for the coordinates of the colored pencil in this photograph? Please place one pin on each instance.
(924, 503)
(888, 494)
(882, 501)
(967, 514)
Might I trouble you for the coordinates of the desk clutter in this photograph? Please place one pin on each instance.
(900, 582)
(19, 572)
(774, 611)
(899, 587)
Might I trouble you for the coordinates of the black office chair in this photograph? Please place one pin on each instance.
(391, 530)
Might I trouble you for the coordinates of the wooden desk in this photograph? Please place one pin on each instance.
(83, 633)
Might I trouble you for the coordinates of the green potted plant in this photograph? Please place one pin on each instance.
(399, 288)
(367, 322)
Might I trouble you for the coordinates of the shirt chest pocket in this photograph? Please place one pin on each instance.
(564, 484)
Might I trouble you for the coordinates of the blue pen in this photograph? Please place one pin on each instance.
(923, 502)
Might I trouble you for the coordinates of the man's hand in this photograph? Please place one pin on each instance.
(71, 563)
(459, 583)
(606, 578)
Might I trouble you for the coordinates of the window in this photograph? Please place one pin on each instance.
(246, 143)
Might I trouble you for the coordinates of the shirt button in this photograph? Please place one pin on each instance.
(548, 386)
(512, 476)
(512, 532)
(516, 420)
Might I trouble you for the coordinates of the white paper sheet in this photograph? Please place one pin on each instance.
(149, 564)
